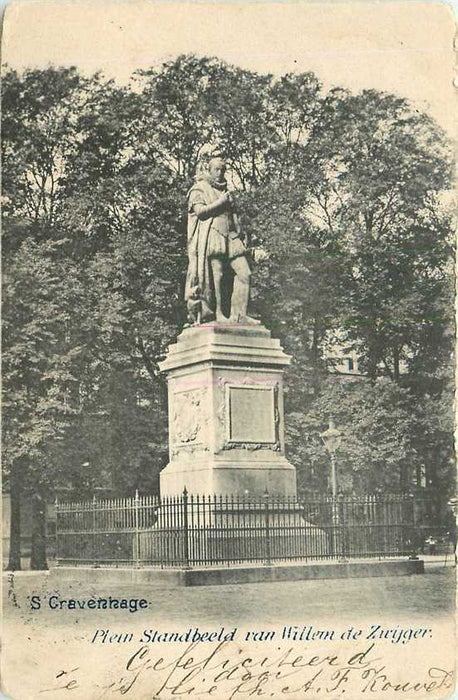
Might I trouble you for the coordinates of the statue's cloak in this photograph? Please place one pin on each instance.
(199, 280)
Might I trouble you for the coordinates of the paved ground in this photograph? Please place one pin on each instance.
(46, 650)
(430, 594)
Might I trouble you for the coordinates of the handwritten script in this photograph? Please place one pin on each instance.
(227, 671)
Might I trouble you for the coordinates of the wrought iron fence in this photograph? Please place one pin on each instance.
(193, 530)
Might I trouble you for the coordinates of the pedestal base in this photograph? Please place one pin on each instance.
(211, 531)
(226, 422)
(235, 477)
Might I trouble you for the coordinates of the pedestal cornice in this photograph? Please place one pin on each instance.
(223, 342)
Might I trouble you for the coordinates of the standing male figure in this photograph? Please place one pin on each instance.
(214, 242)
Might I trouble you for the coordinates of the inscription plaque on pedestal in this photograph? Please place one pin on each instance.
(251, 412)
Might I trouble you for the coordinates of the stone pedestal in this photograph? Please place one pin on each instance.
(226, 420)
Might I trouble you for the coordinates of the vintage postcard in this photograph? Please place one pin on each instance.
(228, 350)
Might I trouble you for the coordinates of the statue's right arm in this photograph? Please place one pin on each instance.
(206, 211)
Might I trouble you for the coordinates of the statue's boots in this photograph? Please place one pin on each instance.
(239, 303)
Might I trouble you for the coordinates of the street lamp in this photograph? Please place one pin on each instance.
(332, 437)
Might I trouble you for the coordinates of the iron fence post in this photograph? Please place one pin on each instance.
(137, 531)
(93, 547)
(56, 507)
(413, 531)
(342, 532)
(185, 528)
(267, 520)
(334, 527)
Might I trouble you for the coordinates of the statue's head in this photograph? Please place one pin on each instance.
(217, 169)
(211, 165)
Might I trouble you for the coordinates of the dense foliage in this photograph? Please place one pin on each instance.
(344, 192)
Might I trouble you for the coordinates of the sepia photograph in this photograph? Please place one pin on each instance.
(228, 350)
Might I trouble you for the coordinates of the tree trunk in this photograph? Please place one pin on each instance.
(403, 478)
(14, 562)
(315, 339)
(396, 364)
(38, 558)
(418, 475)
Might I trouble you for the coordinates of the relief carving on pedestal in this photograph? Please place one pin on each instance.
(189, 421)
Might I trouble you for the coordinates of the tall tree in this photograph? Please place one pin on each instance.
(379, 193)
(39, 375)
(389, 443)
(343, 192)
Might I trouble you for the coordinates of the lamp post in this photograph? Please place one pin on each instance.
(332, 437)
